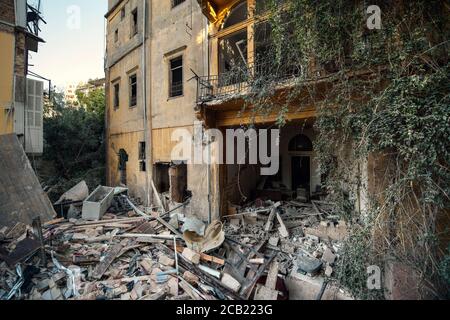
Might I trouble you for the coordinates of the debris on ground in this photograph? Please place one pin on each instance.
(128, 252)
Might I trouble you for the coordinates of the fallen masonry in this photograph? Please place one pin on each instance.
(133, 253)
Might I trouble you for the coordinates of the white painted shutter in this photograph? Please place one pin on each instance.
(21, 13)
(34, 134)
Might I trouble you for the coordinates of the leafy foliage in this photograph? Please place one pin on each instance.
(74, 143)
(387, 94)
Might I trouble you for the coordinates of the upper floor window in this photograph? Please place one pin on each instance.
(142, 156)
(176, 77)
(116, 35)
(237, 15)
(122, 14)
(116, 95)
(133, 90)
(134, 22)
(176, 2)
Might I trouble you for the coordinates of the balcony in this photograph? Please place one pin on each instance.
(243, 80)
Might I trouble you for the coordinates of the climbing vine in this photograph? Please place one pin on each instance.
(382, 95)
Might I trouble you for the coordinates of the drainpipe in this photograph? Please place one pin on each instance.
(209, 140)
(147, 123)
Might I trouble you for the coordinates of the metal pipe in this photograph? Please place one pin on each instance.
(144, 98)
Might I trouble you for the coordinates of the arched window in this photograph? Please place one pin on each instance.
(300, 143)
(237, 14)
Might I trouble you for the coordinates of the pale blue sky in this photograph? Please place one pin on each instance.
(73, 52)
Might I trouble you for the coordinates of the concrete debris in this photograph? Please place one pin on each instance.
(329, 257)
(78, 193)
(230, 282)
(97, 203)
(148, 255)
(191, 255)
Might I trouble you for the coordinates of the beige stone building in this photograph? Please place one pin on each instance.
(172, 63)
(154, 49)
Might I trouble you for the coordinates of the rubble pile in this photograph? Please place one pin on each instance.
(139, 254)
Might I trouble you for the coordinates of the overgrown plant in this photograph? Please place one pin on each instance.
(381, 94)
(73, 144)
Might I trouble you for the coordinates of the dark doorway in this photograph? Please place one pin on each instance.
(123, 159)
(301, 173)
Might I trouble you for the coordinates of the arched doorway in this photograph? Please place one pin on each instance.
(300, 150)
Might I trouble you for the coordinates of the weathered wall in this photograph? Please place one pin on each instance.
(125, 124)
(6, 82)
(126, 42)
(21, 195)
(7, 11)
(174, 32)
(135, 178)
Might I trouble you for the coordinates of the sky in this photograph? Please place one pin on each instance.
(75, 45)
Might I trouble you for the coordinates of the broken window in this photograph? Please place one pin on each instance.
(236, 15)
(142, 150)
(142, 157)
(178, 182)
(134, 22)
(176, 77)
(233, 58)
(116, 95)
(133, 90)
(161, 177)
(267, 62)
(176, 2)
(123, 159)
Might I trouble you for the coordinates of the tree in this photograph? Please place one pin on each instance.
(74, 142)
(94, 101)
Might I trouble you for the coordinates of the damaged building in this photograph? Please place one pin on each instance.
(21, 115)
(172, 64)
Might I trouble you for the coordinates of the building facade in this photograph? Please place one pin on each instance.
(153, 51)
(21, 97)
(176, 65)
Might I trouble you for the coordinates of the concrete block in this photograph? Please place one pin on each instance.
(230, 282)
(166, 261)
(273, 241)
(191, 278)
(329, 257)
(191, 255)
(303, 287)
(95, 206)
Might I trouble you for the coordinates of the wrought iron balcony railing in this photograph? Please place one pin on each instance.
(245, 79)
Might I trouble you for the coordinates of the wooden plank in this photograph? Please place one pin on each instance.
(111, 255)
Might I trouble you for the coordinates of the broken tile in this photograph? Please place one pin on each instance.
(191, 255)
(230, 282)
(166, 261)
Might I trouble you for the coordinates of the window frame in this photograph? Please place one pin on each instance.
(174, 3)
(134, 27)
(130, 90)
(171, 95)
(116, 94)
